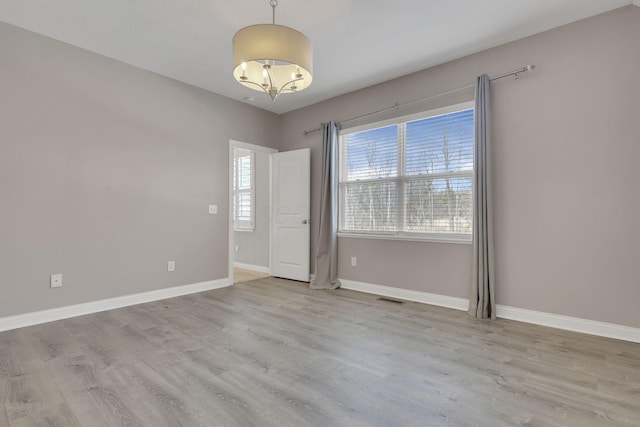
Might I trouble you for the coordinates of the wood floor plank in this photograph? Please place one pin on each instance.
(271, 352)
(32, 396)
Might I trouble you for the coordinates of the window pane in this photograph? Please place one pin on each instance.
(370, 206)
(413, 177)
(371, 154)
(440, 144)
(244, 206)
(243, 192)
(244, 175)
(439, 205)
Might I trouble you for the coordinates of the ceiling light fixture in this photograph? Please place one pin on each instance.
(272, 58)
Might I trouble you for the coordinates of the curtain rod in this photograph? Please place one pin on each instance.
(397, 105)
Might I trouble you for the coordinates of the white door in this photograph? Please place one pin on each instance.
(290, 242)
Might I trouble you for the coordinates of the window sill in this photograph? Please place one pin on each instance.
(427, 239)
(244, 230)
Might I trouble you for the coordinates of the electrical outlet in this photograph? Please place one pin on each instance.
(56, 280)
(171, 266)
(213, 209)
(354, 261)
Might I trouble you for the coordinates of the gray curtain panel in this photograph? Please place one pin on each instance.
(326, 274)
(482, 300)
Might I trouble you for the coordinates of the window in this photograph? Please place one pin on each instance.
(409, 178)
(243, 189)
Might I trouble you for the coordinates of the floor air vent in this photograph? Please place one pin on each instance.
(397, 301)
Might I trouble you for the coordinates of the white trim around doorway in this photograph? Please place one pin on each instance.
(257, 148)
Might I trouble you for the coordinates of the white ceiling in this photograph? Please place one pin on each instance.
(357, 43)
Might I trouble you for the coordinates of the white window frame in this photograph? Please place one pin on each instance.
(400, 180)
(242, 224)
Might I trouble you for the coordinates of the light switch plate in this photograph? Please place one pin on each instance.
(213, 209)
(171, 266)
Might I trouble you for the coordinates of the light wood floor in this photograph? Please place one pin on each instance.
(274, 353)
(241, 275)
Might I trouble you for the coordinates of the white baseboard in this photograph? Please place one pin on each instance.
(592, 327)
(575, 324)
(251, 267)
(407, 294)
(44, 316)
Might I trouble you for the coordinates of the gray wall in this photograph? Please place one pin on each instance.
(567, 146)
(253, 246)
(106, 172)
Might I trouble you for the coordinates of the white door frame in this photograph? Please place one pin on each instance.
(257, 148)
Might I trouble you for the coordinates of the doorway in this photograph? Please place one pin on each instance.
(249, 211)
(269, 212)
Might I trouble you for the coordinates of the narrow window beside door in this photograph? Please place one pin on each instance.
(243, 190)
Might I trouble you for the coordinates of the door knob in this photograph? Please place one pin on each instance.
(306, 221)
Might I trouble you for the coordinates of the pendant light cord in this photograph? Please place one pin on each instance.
(273, 4)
